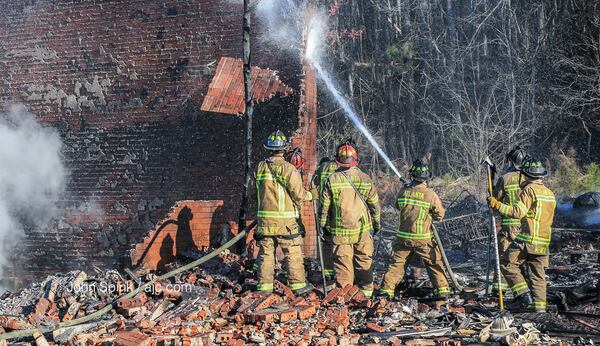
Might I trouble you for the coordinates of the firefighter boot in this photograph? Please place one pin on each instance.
(522, 302)
(441, 294)
(306, 289)
(385, 294)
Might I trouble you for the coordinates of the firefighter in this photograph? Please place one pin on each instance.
(507, 190)
(280, 193)
(296, 158)
(349, 212)
(326, 168)
(535, 208)
(419, 206)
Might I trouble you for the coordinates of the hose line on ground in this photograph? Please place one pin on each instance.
(107, 308)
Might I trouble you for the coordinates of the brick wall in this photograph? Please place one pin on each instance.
(306, 138)
(189, 227)
(123, 81)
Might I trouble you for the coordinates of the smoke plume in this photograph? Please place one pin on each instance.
(284, 23)
(32, 177)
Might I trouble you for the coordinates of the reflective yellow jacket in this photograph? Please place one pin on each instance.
(419, 206)
(535, 208)
(280, 193)
(507, 191)
(322, 174)
(343, 213)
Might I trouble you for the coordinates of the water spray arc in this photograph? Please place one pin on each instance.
(353, 116)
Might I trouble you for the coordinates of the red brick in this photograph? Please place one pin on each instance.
(374, 327)
(359, 298)
(287, 292)
(395, 341)
(132, 338)
(351, 293)
(288, 315)
(458, 309)
(223, 337)
(266, 302)
(40, 310)
(307, 312)
(268, 317)
(331, 296)
(298, 301)
(236, 342)
(137, 301)
(13, 322)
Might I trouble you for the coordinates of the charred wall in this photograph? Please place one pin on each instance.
(122, 81)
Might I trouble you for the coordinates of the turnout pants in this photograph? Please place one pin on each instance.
(292, 251)
(506, 236)
(402, 253)
(327, 248)
(353, 263)
(517, 256)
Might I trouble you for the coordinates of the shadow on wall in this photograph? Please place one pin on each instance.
(190, 227)
(184, 240)
(169, 249)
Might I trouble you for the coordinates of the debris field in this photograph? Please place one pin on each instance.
(215, 305)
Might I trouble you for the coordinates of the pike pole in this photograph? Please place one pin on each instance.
(319, 236)
(489, 168)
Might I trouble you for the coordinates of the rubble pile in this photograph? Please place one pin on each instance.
(215, 304)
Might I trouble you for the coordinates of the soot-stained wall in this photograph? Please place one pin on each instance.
(123, 81)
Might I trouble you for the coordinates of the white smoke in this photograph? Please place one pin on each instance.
(280, 23)
(283, 23)
(316, 23)
(32, 177)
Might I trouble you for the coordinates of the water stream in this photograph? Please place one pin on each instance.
(352, 115)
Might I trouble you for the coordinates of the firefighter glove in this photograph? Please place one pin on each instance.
(315, 194)
(494, 203)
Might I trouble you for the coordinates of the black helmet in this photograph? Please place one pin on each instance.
(534, 168)
(277, 141)
(517, 156)
(420, 171)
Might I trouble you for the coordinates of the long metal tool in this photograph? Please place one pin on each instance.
(320, 246)
(319, 230)
(487, 265)
(489, 168)
(438, 241)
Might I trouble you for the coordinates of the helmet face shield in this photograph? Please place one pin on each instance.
(277, 141)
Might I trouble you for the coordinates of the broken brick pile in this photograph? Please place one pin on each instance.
(216, 305)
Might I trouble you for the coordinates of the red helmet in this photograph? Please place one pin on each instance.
(295, 157)
(347, 155)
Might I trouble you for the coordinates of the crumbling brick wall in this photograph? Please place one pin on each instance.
(122, 81)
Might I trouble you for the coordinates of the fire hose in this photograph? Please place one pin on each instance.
(141, 288)
(451, 274)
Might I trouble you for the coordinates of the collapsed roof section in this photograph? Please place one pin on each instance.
(226, 90)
